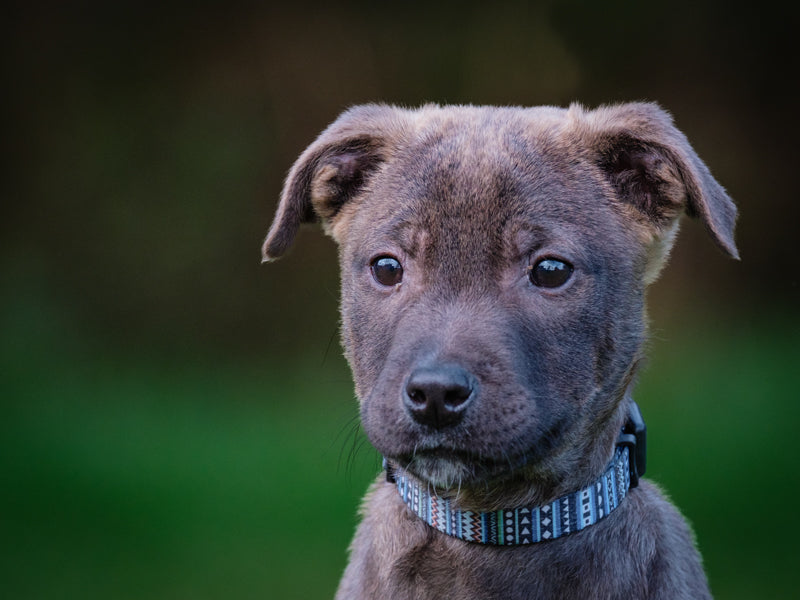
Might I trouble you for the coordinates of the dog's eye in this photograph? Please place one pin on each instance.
(550, 273)
(387, 270)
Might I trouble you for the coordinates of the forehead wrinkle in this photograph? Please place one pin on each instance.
(463, 244)
(409, 237)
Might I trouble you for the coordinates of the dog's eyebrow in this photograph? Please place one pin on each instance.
(408, 235)
(522, 238)
(411, 239)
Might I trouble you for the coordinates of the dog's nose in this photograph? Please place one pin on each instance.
(438, 396)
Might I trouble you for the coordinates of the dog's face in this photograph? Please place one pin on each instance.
(494, 264)
(474, 219)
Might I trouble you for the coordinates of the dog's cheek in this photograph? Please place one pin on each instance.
(368, 323)
(557, 366)
(585, 352)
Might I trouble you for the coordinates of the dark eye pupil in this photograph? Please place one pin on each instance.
(550, 273)
(387, 270)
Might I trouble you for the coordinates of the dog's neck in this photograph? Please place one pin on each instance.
(530, 524)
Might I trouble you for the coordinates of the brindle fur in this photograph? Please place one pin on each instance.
(468, 198)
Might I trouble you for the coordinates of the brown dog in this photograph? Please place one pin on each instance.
(494, 263)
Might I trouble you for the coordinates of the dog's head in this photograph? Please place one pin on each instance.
(493, 268)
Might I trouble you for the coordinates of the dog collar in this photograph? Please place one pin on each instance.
(531, 524)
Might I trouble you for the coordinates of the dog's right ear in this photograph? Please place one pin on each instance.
(331, 171)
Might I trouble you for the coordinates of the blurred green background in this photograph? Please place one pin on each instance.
(177, 419)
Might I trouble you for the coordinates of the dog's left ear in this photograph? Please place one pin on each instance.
(331, 172)
(652, 167)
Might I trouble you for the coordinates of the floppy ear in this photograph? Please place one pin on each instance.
(652, 167)
(331, 171)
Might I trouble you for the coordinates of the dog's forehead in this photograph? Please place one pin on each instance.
(484, 183)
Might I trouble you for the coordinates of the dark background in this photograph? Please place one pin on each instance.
(178, 419)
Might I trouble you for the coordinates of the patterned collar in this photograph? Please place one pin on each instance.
(531, 524)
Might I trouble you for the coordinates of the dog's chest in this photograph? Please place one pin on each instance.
(434, 571)
(397, 557)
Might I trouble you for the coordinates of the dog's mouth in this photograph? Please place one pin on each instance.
(451, 468)
(448, 465)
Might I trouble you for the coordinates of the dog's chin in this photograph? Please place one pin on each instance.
(440, 472)
(451, 470)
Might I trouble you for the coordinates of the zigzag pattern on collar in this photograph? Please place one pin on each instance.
(526, 525)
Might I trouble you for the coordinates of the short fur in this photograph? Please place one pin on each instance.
(468, 199)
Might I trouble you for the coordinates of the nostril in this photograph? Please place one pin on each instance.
(457, 395)
(416, 395)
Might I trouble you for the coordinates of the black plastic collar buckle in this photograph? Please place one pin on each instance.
(389, 471)
(634, 436)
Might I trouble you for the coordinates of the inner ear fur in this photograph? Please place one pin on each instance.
(651, 166)
(331, 171)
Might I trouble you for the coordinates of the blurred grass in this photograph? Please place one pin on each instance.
(167, 477)
(162, 477)
(723, 416)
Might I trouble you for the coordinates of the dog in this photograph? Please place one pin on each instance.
(494, 264)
